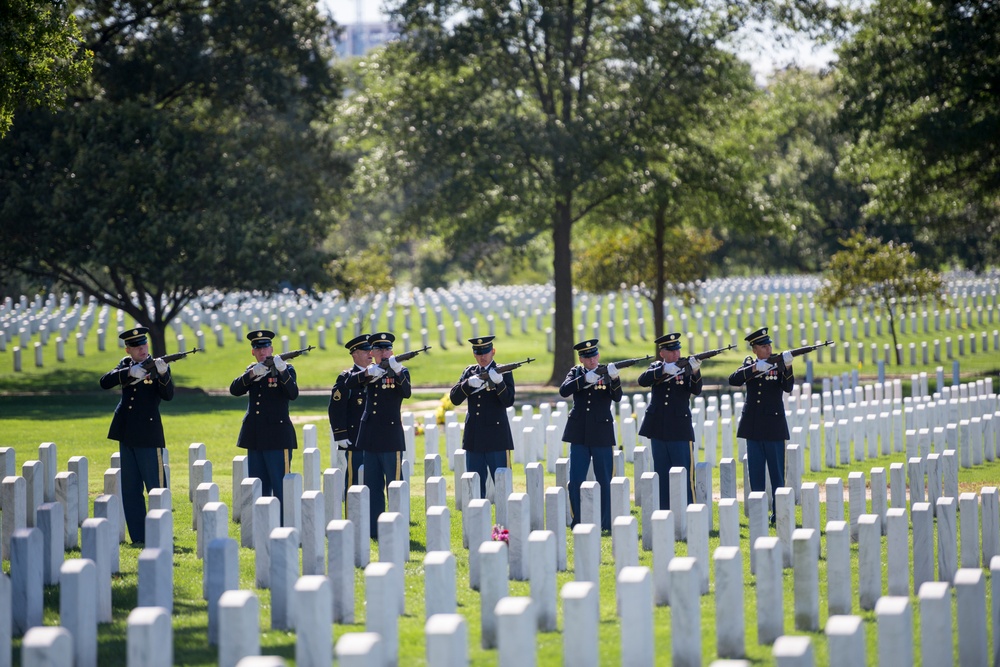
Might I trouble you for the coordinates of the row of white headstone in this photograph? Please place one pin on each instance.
(483, 306)
(278, 547)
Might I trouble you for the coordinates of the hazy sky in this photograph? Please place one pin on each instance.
(763, 56)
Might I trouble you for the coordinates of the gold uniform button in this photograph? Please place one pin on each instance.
(257, 412)
(130, 407)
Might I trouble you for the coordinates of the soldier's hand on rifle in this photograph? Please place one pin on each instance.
(375, 371)
(694, 363)
(395, 365)
(475, 382)
(495, 377)
(161, 366)
(591, 377)
(137, 371)
(259, 370)
(612, 371)
(280, 364)
(762, 366)
(670, 368)
(786, 356)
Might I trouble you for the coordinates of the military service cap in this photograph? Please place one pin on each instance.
(260, 338)
(382, 340)
(482, 344)
(587, 348)
(358, 343)
(134, 337)
(670, 341)
(759, 337)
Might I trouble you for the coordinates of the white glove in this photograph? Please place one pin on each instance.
(612, 371)
(343, 444)
(259, 370)
(395, 365)
(475, 382)
(376, 371)
(137, 371)
(495, 377)
(591, 377)
(762, 366)
(161, 366)
(694, 363)
(670, 368)
(280, 364)
(786, 356)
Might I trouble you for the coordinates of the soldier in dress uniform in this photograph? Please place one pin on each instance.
(668, 416)
(137, 426)
(487, 440)
(590, 427)
(380, 435)
(346, 407)
(267, 432)
(763, 421)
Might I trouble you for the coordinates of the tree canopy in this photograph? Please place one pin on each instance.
(195, 157)
(886, 275)
(41, 55)
(500, 121)
(919, 81)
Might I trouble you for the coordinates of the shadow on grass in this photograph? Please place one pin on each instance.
(91, 404)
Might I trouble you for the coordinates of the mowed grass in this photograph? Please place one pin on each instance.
(78, 424)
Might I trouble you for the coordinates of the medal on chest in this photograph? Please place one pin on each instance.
(388, 383)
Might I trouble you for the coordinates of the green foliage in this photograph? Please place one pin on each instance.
(495, 122)
(609, 260)
(808, 206)
(886, 275)
(41, 55)
(193, 159)
(919, 81)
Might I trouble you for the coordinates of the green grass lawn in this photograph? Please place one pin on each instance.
(78, 424)
(441, 366)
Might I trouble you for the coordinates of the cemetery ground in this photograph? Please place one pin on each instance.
(78, 424)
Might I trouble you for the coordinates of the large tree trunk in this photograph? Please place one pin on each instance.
(562, 264)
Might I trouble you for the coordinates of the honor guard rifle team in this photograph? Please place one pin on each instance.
(366, 422)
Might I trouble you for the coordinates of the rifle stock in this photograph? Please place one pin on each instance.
(505, 368)
(683, 362)
(285, 356)
(150, 363)
(602, 369)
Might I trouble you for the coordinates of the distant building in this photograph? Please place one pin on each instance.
(360, 38)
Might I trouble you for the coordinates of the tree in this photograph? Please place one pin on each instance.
(41, 55)
(498, 121)
(919, 81)
(886, 275)
(195, 158)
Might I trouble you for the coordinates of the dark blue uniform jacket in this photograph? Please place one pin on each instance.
(381, 428)
(763, 408)
(137, 416)
(266, 424)
(668, 414)
(486, 425)
(346, 407)
(590, 422)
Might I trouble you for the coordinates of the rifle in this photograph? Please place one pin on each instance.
(149, 364)
(285, 356)
(406, 356)
(602, 369)
(506, 368)
(796, 352)
(683, 362)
